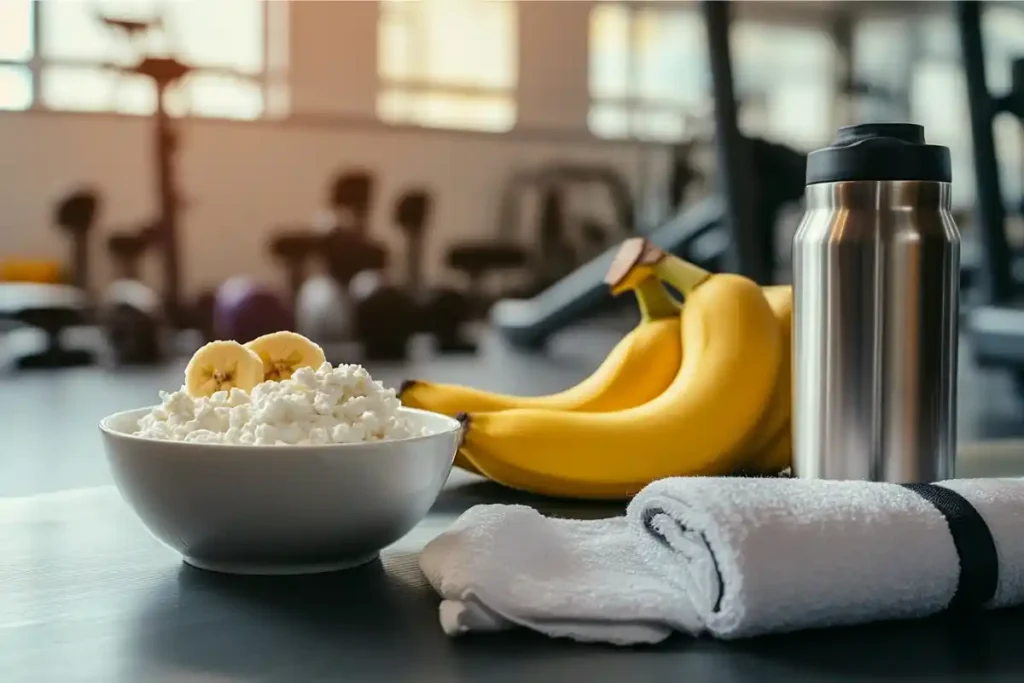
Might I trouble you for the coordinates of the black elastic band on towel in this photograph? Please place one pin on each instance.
(979, 563)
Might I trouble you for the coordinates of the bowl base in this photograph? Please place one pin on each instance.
(260, 569)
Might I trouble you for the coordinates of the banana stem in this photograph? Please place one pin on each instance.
(654, 300)
(682, 275)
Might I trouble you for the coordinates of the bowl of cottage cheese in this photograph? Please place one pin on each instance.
(300, 467)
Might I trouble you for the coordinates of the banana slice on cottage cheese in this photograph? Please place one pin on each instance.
(282, 353)
(221, 366)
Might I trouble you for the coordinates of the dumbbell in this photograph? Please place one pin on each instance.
(244, 309)
(324, 311)
(386, 317)
(445, 313)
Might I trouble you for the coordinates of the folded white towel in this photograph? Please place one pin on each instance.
(505, 565)
(732, 557)
(759, 556)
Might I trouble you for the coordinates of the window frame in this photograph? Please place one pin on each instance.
(639, 108)
(269, 78)
(636, 107)
(411, 87)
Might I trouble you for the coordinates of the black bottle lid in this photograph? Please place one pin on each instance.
(879, 151)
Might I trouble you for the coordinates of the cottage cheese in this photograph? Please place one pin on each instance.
(340, 404)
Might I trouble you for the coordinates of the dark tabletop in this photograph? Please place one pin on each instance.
(87, 595)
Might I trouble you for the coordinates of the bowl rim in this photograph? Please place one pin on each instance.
(454, 426)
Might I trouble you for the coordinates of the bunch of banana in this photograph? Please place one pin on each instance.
(625, 378)
(223, 365)
(640, 367)
(769, 448)
(712, 419)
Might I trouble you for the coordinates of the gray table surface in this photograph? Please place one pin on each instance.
(87, 595)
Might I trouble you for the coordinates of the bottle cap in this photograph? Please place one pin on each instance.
(879, 151)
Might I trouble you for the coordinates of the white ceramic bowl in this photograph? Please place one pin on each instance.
(280, 509)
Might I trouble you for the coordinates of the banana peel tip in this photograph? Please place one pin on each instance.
(405, 386)
(464, 420)
(633, 253)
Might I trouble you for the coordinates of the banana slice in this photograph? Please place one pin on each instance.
(282, 353)
(221, 365)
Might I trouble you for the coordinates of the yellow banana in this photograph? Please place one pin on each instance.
(763, 453)
(773, 459)
(765, 450)
(775, 456)
(639, 368)
(627, 377)
(501, 471)
(695, 426)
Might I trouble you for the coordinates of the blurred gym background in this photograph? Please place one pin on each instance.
(428, 186)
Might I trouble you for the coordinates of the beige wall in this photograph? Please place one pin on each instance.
(242, 179)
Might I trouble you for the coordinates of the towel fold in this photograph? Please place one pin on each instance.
(500, 566)
(731, 557)
(760, 556)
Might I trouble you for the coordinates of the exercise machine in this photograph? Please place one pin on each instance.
(165, 72)
(53, 308)
(528, 323)
(130, 311)
(388, 314)
(698, 233)
(76, 216)
(996, 327)
(757, 178)
(557, 251)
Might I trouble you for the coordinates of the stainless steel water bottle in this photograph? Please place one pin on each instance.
(876, 263)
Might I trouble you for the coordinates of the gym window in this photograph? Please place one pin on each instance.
(62, 56)
(647, 70)
(17, 49)
(786, 77)
(649, 76)
(448, 64)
